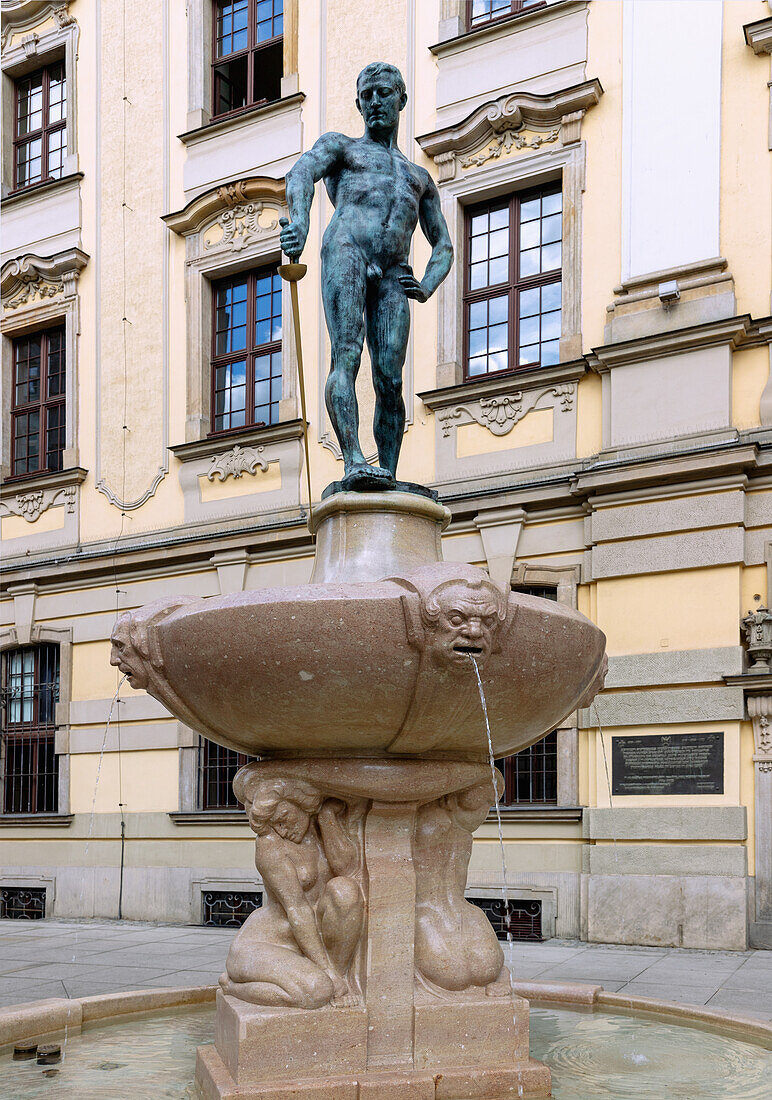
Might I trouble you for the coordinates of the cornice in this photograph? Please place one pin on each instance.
(758, 35)
(661, 471)
(733, 331)
(217, 444)
(504, 383)
(204, 207)
(59, 479)
(511, 112)
(202, 133)
(22, 271)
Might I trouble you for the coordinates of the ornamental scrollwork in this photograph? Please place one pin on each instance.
(32, 290)
(240, 224)
(505, 142)
(238, 461)
(32, 504)
(500, 413)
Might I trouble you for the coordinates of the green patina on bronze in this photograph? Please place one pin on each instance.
(379, 197)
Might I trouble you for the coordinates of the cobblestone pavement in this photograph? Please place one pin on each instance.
(56, 958)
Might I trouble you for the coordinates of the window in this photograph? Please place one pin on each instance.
(40, 139)
(246, 351)
(531, 775)
(512, 284)
(247, 55)
(217, 766)
(482, 12)
(38, 402)
(28, 762)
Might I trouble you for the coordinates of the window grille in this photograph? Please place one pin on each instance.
(28, 763)
(531, 775)
(22, 903)
(246, 350)
(520, 918)
(247, 63)
(512, 283)
(217, 766)
(38, 402)
(229, 908)
(40, 119)
(481, 12)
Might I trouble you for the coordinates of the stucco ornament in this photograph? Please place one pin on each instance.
(506, 142)
(758, 637)
(32, 504)
(500, 413)
(241, 224)
(33, 289)
(236, 462)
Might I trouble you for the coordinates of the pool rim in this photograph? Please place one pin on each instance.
(55, 1015)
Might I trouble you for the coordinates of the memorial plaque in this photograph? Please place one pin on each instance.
(668, 763)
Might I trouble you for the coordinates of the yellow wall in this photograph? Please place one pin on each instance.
(148, 780)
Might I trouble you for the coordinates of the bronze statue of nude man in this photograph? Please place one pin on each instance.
(379, 197)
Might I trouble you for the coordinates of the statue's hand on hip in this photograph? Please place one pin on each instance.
(412, 287)
(292, 237)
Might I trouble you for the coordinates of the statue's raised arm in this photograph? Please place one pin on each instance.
(379, 198)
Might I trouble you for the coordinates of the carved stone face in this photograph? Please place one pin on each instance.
(124, 657)
(289, 821)
(465, 626)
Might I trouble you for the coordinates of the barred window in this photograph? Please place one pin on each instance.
(246, 350)
(216, 768)
(247, 61)
(512, 291)
(28, 762)
(38, 402)
(40, 118)
(531, 775)
(481, 12)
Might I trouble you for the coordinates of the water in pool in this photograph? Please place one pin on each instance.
(591, 1055)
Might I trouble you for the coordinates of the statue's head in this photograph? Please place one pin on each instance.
(461, 619)
(284, 806)
(381, 95)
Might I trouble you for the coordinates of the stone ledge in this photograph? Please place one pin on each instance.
(249, 114)
(39, 190)
(45, 479)
(501, 27)
(258, 436)
(209, 817)
(36, 821)
(480, 388)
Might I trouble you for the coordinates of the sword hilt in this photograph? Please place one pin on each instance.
(293, 271)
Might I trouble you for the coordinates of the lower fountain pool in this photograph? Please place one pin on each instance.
(591, 1054)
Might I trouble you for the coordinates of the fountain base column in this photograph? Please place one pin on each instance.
(415, 1003)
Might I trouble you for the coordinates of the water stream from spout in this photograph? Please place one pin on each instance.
(504, 886)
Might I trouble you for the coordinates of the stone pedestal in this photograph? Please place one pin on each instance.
(430, 1014)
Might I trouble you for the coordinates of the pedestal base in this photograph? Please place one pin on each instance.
(464, 1050)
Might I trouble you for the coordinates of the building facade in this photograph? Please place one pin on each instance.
(589, 391)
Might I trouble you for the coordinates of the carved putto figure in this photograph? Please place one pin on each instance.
(298, 950)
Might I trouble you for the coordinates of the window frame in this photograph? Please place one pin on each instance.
(515, 282)
(42, 735)
(46, 127)
(250, 353)
(516, 7)
(44, 403)
(251, 50)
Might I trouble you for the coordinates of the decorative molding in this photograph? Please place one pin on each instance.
(760, 713)
(555, 117)
(27, 279)
(758, 35)
(500, 414)
(34, 496)
(240, 225)
(505, 143)
(481, 389)
(251, 439)
(19, 15)
(734, 331)
(214, 204)
(454, 36)
(236, 462)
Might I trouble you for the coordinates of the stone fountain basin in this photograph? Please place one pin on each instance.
(355, 668)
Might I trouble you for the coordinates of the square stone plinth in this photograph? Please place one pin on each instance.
(491, 1031)
(258, 1045)
(462, 1050)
